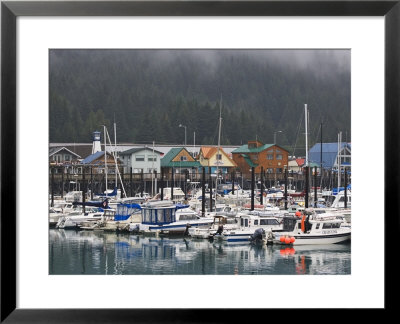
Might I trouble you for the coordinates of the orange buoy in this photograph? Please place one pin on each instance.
(298, 214)
(282, 239)
(287, 240)
(292, 239)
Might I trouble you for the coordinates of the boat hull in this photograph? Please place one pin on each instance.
(306, 239)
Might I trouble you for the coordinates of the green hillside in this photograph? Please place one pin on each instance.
(148, 93)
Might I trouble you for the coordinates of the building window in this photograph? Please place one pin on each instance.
(67, 157)
(183, 158)
(279, 157)
(278, 170)
(269, 170)
(152, 158)
(270, 156)
(139, 158)
(219, 156)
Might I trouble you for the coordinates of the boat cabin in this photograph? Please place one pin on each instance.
(247, 221)
(158, 214)
(291, 224)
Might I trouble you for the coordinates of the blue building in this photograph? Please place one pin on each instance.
(330, 155)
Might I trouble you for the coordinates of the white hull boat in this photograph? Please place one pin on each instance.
(162, 217)
(310, 228)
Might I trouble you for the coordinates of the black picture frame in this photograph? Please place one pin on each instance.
(10, 10)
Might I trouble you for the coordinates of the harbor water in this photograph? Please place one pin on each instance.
(86, 252)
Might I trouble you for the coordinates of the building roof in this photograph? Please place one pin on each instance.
(54, 150)
(249, 161)
(138, 149)
(208, 153)
(329, 153)
(300, 162)
(92, 157)
(166, 161)
(245, 148)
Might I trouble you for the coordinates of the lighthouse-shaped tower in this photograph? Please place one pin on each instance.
(96, 147)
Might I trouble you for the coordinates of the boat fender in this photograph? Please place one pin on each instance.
(287, 240)
(282, 239)
(292, 239)
(303, 227)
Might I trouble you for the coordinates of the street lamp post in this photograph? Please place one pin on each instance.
(180, 125)
(274, 144)
(275, 135)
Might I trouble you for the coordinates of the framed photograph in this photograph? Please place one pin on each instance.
(227, 56)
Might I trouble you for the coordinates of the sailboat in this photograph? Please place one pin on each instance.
(310, 227)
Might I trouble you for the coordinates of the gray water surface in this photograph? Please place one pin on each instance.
(86, 252)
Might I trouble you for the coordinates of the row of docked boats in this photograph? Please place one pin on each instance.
(271, 225)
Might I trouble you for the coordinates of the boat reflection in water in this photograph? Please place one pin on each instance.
(81, 252)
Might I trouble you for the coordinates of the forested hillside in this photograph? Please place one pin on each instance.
(148, 93)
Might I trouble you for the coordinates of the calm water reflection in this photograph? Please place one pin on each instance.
(85, 252)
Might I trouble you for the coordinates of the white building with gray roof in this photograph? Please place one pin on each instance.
(140, 159)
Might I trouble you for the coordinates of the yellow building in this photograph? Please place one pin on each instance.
(214, 157)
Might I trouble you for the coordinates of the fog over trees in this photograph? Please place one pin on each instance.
(148, 93)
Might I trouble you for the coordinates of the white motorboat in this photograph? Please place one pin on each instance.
(161, 217)
(74, 219)
(249, 225)
(313, 228)
(220, 223)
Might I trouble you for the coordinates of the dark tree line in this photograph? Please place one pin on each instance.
(149, 93)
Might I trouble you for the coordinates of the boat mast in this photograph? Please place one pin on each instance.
(306, 119)
(306, 163)
(339, 159)
(105, 157)
(152, 172)
(219, 144)
(115, 151)
(116, 167)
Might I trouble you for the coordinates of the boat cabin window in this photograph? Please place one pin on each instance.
(244, 222)
(317, 226)
(187, 217)
(331, 225)
(289, 223)
(158, 216)
(256, 222)
(269, 222)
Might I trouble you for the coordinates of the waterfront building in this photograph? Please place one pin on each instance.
(331, 155)
(213, 157)
(181, 160)
(98, 162)
(141, 159)
(295, 165)
(62, 155)
(273, 158)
